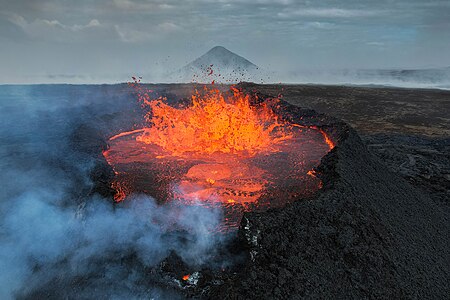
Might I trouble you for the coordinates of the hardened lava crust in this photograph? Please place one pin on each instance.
(367, 233)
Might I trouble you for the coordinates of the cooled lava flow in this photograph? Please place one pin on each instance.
(219, 151)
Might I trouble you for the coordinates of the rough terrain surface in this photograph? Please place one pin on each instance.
(407, 129)
(370, 234)
(377, 229)
(422, 161)
(372, 110)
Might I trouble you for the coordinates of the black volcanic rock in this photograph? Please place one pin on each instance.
(369, 234)
(422, 161)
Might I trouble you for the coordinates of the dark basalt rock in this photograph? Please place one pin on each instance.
(422, 161)
(368, 234)
(89, 141)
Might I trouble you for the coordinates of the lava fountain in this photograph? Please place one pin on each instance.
(222, 149)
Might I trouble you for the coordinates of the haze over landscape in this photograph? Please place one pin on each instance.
(293, 41)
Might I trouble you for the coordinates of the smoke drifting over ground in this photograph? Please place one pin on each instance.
(220, 65)
(223, 66)
(420, 78)
(54, 236)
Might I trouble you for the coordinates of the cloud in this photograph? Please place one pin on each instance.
(320, 25)
(327, 13)
(375, 44)
(168, 27)
(21, 22)
(130, 35)
(141, 5)
(300, 34)
(54, 29)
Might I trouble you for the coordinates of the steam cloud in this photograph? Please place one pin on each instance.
(51, 234)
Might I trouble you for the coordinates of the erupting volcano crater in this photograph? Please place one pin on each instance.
(229, 150)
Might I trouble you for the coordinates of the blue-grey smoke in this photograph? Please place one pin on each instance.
(53, 236)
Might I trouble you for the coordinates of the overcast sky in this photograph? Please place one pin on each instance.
(105, 39)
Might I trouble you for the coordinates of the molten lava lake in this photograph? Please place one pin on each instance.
(223, 150)
(234, 182)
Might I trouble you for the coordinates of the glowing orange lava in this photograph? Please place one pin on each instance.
(213, 123)
(222, 149)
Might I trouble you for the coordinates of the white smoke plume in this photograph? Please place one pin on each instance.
(57, 240)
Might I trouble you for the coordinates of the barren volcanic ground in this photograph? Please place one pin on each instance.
(369, 233)
(372, 110)
(377, 228)
(407, 129)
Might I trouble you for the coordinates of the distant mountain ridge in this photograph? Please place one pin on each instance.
(219, 65)
(222, 57)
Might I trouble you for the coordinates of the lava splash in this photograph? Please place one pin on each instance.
(220, 150)
(212, 123)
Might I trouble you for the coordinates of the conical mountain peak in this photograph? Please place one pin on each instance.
(221, 65)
